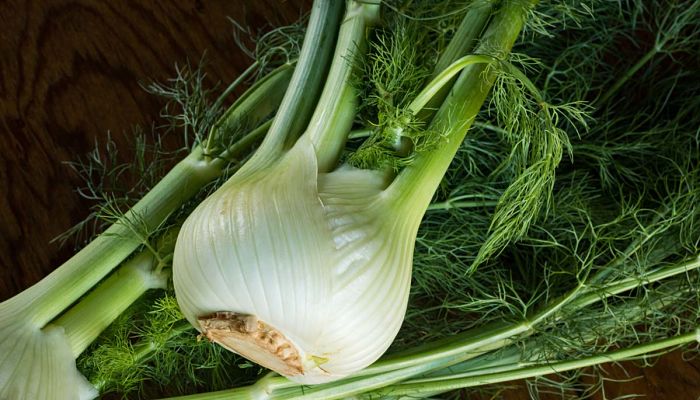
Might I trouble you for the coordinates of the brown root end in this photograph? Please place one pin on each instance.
(253, 339)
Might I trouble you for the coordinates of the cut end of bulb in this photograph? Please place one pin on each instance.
(253, 339)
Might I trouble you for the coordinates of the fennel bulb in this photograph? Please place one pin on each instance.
(303, 272)
(304, 266)
(297, 265)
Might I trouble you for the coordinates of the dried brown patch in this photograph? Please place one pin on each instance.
(253, 339)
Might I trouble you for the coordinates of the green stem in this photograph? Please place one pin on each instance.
(626, 285)
(471, 344)
(627, 76)
(443, 79)
(490, 127)
(463, 43)
(304, 88)
(467, 35)
(441, 384)
(451, 205)
(335, 112)
(242, 146)
(419, 180)
(84, 322)
(239, 80)
(360, 133)
(255, 105)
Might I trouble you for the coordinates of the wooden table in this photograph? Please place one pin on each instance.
(70, 74)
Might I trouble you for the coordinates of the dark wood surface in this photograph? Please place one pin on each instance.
(70, 74)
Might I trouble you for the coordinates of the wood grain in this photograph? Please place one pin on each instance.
(70, 74)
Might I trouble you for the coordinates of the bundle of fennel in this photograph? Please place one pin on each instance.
(548, 180)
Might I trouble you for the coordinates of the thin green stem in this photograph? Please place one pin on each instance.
(452, 204)
(446, 384)
(490, 127)
(254, 106)
(443, 79)
(306, 83)
(467, 35)
(469, 344)
(239, 80)
(626, 76)
(333, 117)
(360, 133)
(597, 294)
(242, 146)
(524, 80)
(463, 43)
(419, 180)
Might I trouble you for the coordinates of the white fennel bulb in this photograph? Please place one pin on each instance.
(306, 273)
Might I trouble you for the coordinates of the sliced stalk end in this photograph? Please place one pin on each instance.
(253, 339)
